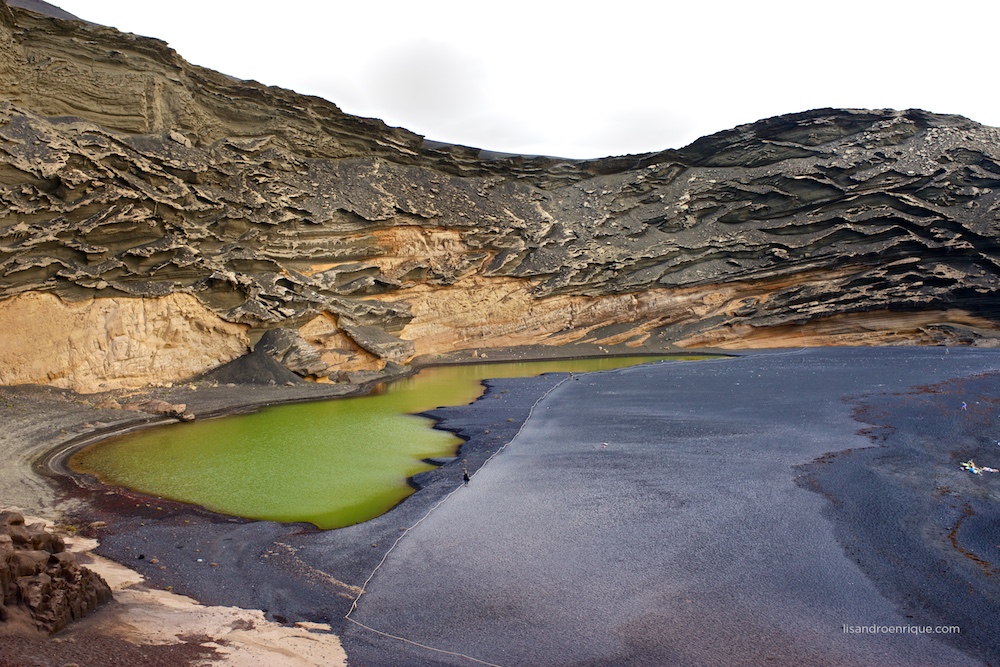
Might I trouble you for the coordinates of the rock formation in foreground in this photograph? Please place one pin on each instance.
(41, 583)
(157, 218)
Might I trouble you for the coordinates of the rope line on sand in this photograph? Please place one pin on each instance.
(364, 586)
(423, 646)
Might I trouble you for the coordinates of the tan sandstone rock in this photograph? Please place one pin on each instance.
(100, 343)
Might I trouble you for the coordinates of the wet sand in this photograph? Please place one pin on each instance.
(681, 513)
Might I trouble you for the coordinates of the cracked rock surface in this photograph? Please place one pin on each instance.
(40, 582)
(226, 210)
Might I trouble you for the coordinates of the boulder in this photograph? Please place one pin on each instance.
(290, 350)
(40, 579)
(158, 407)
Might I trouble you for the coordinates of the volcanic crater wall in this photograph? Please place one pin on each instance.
(156, 218)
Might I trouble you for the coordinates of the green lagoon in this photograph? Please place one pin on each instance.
(332, 463)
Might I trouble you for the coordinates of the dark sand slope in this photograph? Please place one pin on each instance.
(44, 8)
(692, 538)
(936, 533)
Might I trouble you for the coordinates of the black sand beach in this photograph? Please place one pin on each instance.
(726, 512)
(661, 516)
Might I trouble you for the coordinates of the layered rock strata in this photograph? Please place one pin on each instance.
(40, 582)
(132, 180)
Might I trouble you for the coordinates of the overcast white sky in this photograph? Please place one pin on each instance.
(582, 79)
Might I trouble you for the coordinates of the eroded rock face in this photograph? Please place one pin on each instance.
(40, 581)
(292, 351)
(126, 173)
(94, 344)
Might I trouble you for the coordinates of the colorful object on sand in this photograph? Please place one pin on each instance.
(971, 466)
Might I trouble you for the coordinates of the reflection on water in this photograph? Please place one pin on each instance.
(332, 463)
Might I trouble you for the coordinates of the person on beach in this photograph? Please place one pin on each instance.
(465, 473)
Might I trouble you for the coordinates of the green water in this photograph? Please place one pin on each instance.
(332, 463)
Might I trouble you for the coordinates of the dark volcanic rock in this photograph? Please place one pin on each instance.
(42, 7)
(289, 349)
(42, 581)
(135, 175)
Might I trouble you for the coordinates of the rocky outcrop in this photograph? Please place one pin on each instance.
(292, 351)
(127, 174)
(41, 582)
(97, 344)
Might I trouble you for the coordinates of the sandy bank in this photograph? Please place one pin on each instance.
(159, 626)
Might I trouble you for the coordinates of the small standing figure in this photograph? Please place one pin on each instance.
(465, 472)
(964, 406)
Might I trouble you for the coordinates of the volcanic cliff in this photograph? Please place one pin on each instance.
(156, 218)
